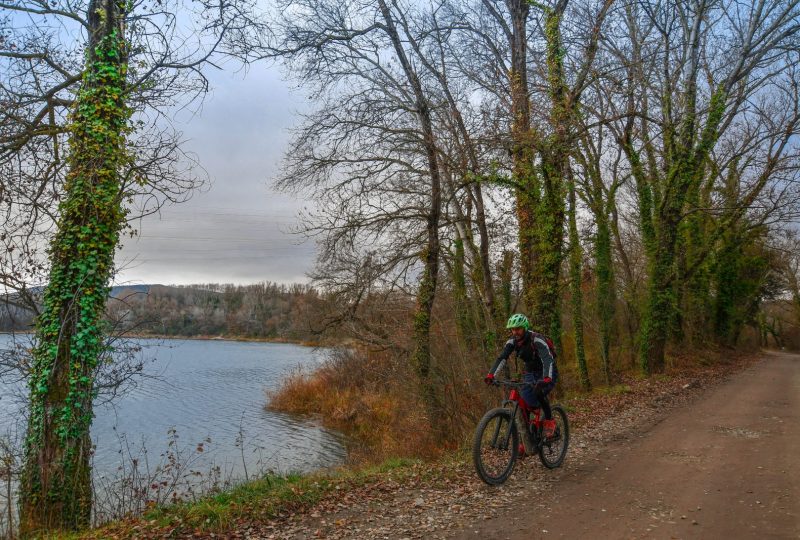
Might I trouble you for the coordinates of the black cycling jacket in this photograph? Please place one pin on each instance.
(534, 352)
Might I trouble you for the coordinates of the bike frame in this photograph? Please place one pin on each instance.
(519, 404)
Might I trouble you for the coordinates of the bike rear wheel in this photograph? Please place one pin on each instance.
(494, 448)
(553, 450)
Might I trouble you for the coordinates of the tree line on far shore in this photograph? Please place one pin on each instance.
(263, 310)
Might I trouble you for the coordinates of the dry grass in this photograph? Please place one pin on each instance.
(358, 395)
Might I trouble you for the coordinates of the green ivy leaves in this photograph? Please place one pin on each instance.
(70, 327)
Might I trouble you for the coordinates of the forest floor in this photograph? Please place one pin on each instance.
(705, 453)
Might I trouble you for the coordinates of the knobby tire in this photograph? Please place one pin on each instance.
(494, 448)
(553, 451)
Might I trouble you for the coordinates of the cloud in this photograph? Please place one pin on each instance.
(239, 230)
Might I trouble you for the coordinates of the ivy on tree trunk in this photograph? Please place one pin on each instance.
(664, 223)
(575, 275)
(55, 488)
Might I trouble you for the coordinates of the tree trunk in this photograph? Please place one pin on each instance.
(577, 293)
(540, 204)
(555, 151)
(522, 153)
(543, 297)
(421, 355)
(55, 488)
(493, 317)
(605, 291)
(659, 307)
(461, 299)
(602, 204)
(696, 287)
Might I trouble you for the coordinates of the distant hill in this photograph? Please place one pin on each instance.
(126, 290)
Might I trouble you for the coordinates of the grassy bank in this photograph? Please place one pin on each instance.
(367, 398)
(257, 501)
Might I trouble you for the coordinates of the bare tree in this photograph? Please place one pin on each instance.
(379, 161)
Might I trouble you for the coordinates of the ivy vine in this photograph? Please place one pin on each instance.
(70, 326)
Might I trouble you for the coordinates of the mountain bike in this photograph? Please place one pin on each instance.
(495, 448)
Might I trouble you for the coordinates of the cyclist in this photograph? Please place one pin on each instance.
(538, 356)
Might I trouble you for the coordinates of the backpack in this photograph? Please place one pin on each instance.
(550, 344)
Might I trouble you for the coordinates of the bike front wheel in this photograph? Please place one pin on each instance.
(554, 449)
(494, 448)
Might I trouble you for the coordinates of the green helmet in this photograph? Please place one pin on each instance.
(518, 320)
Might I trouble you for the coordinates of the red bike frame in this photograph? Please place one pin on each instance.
(515, 397)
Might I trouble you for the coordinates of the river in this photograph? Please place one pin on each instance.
(205, 403)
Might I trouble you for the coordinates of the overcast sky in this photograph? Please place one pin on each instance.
(237, 230)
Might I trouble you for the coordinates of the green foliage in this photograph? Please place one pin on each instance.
(657, 314)
(543, 297)
(421, 360)
(605, 291)
(55, 486)
(741, 272)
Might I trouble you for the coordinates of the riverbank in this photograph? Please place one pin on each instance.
(441, 495)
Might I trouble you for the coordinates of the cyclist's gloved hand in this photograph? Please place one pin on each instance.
(489, 379)
(541, 384)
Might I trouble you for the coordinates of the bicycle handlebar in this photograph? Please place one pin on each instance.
(512, 384)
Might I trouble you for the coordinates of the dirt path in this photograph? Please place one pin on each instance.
(726, 467)
(699, 457)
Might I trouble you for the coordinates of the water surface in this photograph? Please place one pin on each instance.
(205, 390)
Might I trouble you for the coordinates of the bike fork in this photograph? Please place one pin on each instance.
(506, 437)
(532, 430)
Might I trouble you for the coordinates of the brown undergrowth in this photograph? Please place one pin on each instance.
(362, 396)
